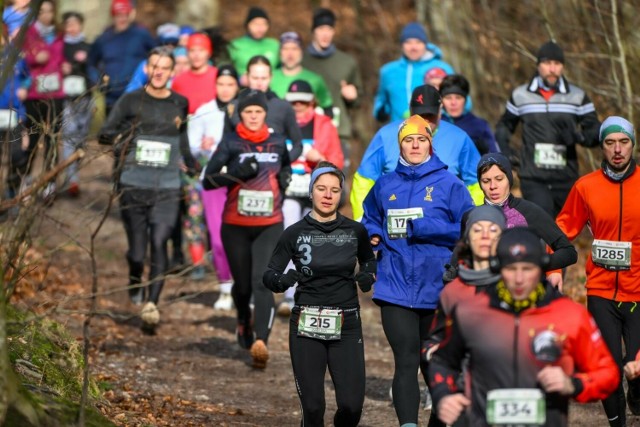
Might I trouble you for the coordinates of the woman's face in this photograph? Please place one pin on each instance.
(415, 148)
(253, 117)
(72, 26)
(46, 13)
(226, 88)
(483, 239)
(326, 194)
(495, 184)
(259, 77)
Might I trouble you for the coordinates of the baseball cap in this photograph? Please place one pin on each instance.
(425, 99)
(299, 90)
(121, 7)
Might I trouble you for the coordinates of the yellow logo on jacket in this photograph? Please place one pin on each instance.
(427, 196)
(392, 197)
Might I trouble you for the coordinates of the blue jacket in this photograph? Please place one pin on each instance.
(478, 130)
(8, 97)
(117, 55)
(139, 78)
(398, 79)
(410, 269)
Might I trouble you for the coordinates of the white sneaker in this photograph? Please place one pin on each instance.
(428, 403)
(150, 315)
(285, 307)
(224, 302)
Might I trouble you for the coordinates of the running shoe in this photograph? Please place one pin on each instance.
(428, 403)
(150, 316)
(244, 335)
(285, 307)
(633, 398)
(49, 193)
(198, 273)
(73, 190)
(259, 354)
(224, 302)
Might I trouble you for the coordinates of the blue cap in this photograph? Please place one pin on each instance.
(414, 30)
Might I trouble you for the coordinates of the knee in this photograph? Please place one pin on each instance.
(348, 413)
(313, 413)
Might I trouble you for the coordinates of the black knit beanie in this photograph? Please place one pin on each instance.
(550, 51)
(496, 159)
(255, 12)
(250, 97)
(323, 16)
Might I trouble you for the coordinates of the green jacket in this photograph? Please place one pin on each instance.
(280, 85)
(242, 49)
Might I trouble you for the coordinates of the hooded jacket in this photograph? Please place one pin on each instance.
(410, 269)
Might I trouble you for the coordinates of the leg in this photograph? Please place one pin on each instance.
(631, 337)
(559, 193)
(160, 234)
(609, 319)
(237, 246)
(402, 328)
(213, 201)
(538, 193)
(346, 365)
(309, 361)
(194, 227)
(135, 219)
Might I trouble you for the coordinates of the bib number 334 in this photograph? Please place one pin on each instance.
(516, 406)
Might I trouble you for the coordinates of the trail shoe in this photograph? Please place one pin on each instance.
(224, 302)
(150, 316)
(198, 273)
(428, 403)
(259, 354)
(633, 398)
(73, 190)
(285, 307)
(244, 335)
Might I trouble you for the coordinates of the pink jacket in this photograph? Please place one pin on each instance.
(46, 78)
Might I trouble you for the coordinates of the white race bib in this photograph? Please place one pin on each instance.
(611, 255)
(74, 85)
(320, 323)
(520, 406)
(255, 203)
(397, 221)
(299, 185)
(152, 153)
(46, 83)
(8, 119)
(550, 156)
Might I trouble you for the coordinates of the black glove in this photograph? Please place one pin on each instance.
(365, 280)
(288, 279)
(450, 273)
(284, 178)
(244, 170)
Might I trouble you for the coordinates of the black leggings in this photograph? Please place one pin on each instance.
(39, 113)
(405, 329)
(345, 359)
(18, 158)
(618, 321)
(248, 251)
(148, 216)
(549, 196)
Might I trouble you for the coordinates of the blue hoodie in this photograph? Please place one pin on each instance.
(398, 79)
(8, 97)
(478, 130)
(410, 269)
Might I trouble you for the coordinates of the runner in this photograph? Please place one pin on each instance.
(205, 133)
(413, 218)
(325, 329)
(258, 172)
(530, 349)
(320, 142)
(148, 130)
(496, 179)
(605, 200)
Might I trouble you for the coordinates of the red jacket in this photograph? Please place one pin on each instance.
(507, 350)
(197, 88)
(611, 209)
(46, 78)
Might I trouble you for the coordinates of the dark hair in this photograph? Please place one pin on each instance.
(54, 5)
(454, 83)
(484, 168)
(338, 173)
(259, 59)
(72, 14)
(162, 51)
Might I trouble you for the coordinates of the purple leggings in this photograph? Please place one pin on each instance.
(213, 202)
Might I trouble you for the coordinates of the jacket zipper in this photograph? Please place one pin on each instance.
(515, 349)
(615, 292)
(413, 255)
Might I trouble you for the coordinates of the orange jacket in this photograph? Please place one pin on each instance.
(612, 211)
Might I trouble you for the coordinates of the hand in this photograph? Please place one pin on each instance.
(450, 407)
(207, 143)
(553, 379)
(555, 279)
(80, 56)
(314, 156)
(570, 136)
(288, 279)
(365, 280)
(348, 91)
(42, 57)
(450, 273)
(632, 370)
(375, 240)
(22, 93)
(245, 170)
(66, 68)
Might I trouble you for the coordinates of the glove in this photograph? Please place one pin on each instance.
(288, 279)
(365, 280)
(450, 273)
(284, 178)
(244, 170)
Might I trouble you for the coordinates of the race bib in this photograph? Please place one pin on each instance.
(255, 203)
(611, 255)
(299, 185)
(8, 119)
(74, 85)
(152, 153)
(550, 156)
(520, 406)
(46, 83)
(323, 324)
(397, 221)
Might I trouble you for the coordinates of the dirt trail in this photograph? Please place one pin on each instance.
(192, 373)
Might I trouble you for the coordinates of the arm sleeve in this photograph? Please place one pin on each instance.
(438, 328)
(355, 78)
(212, 177)
(373, 215)
(327, 142)
(185, 149)
(292, 132)
(360, 188)
(93, 61)
(366, 257)
(596, 371)
(282, 254)
(138, 80)
(506, 126)
(381, 107)
(589, 123)
(573, 216)
(370, 169)
(446, 363)
(322, 94)
(112, 127)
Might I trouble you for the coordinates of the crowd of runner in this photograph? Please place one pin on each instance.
(244, 163)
